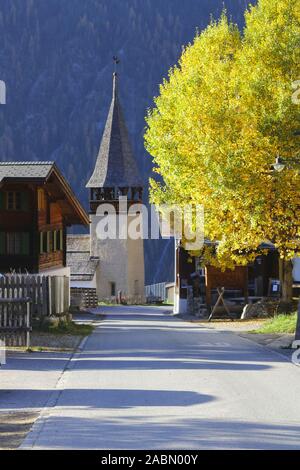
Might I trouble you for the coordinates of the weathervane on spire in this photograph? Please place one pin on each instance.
(116, 61)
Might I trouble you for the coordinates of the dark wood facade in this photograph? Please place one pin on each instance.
(34, 216)
(17, 229)
(252, 280)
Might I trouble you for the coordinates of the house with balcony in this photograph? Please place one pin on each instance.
(37, 205)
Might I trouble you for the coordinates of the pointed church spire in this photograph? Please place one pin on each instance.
(115, 76)
(115, 164)
(115, 85)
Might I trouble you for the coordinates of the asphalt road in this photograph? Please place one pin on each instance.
(146, 380)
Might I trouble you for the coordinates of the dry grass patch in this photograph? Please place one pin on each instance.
(14, 427)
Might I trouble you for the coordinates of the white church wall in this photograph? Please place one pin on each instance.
(84, 284)
(113, 262)
(136, 268)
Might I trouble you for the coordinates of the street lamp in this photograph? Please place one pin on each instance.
(279, 165)
(290, 163)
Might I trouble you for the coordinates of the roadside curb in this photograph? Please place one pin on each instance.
(31, 438)
(270, 349)
(240, 334)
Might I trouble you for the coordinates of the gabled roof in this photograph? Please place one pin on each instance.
(82, 266)
(24, 170)
(46, 173)
(78, 242)
(115, 164)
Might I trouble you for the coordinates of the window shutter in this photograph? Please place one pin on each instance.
(25, 243)
(24, 201)
(2, 243)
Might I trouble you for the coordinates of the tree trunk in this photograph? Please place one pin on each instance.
(286, 278)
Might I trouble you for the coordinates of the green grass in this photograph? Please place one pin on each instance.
(143, 304)
(65, 328)
(279, 324)
(106, 304)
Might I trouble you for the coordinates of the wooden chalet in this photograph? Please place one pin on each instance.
(36, 207)
(244, 283)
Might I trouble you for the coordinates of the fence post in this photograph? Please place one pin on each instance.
(15, 321)
(66, 293)
(49, 289)
(28, 324)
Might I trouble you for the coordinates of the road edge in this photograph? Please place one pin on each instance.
(37, 427)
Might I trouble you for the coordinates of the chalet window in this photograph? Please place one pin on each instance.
(51, 241)
(2, 243)
(13, 201)
(59, 240)
(44, 242)
(54, 240)
(41, 242)
(16, 201)
(44, 247)
(51, 247)
(2, 200)
(14, 243)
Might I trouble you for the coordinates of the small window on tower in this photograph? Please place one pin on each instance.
(136, 287)
(113, 289)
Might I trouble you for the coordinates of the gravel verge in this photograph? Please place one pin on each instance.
(13, 428)
(54, 342)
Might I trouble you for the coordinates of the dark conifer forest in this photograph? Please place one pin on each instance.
(56, 60)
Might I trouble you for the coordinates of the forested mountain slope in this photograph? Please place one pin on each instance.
(56, 60)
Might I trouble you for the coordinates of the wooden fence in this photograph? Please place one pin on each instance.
(15, 322)
(49, 295)
(156, 291)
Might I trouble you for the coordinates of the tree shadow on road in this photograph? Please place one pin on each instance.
(103, 398)
(143, 432)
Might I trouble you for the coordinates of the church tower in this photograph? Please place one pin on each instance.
(116, 188)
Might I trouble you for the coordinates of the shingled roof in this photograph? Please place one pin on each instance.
(79, 260)
(25, 170)
(115, 164)
(43, 173)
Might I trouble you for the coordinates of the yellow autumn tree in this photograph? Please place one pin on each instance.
(223, 115)
(268, 66)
